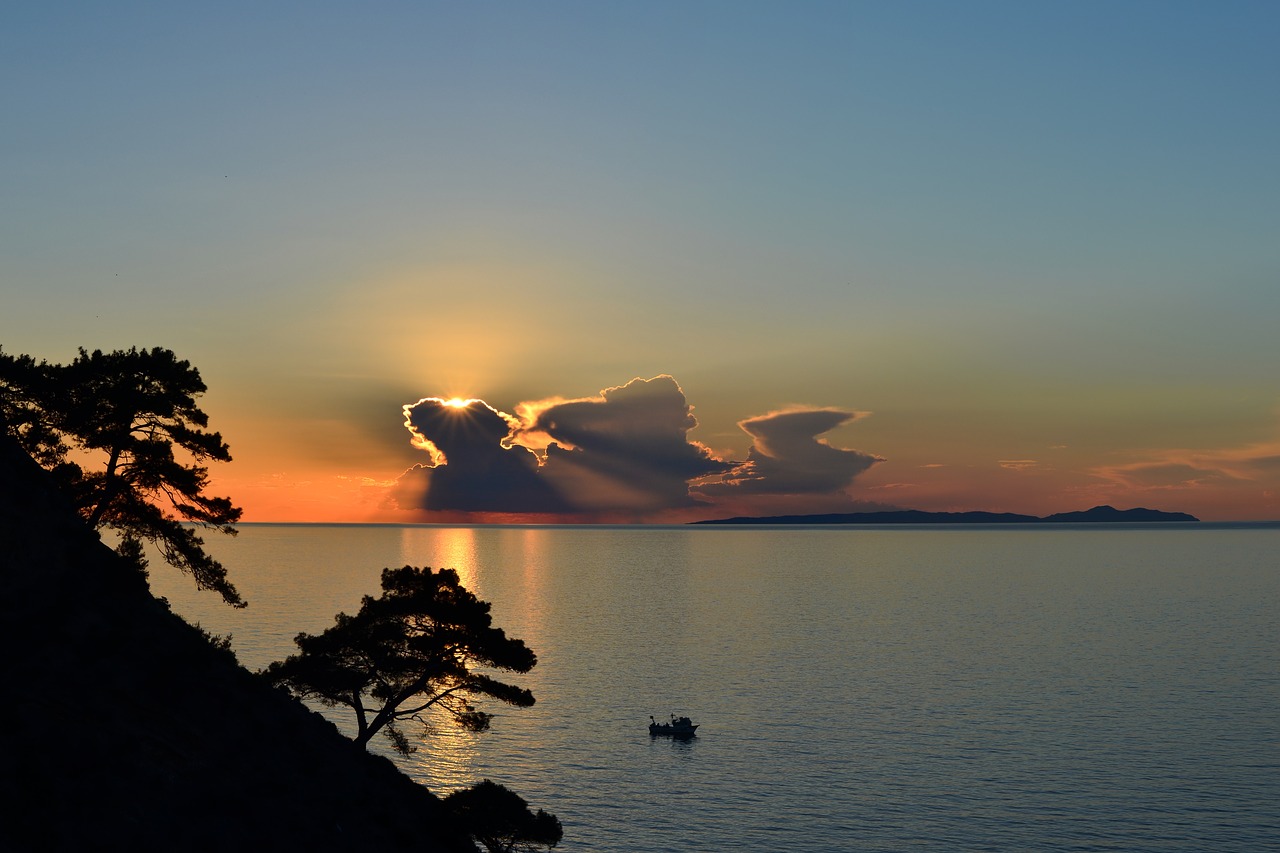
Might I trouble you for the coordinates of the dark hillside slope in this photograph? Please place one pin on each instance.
(121, 727)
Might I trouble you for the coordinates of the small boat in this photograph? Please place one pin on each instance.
(678, 727)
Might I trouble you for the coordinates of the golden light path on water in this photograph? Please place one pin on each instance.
(512, 565)
(507, 570)
(445, 548)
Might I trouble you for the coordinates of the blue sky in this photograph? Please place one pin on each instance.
(1012, 232)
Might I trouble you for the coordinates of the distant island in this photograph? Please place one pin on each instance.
(1097, 515)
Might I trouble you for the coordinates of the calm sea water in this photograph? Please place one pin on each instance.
(1000, 689)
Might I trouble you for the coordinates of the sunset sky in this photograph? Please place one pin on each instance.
(687, 260)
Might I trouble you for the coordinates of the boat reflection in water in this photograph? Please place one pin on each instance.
(681, 727)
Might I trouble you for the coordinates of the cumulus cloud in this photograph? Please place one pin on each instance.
(626, 449)
(472, 469)
(788, 457)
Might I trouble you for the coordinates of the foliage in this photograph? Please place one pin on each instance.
(130, 410)
(24, 384)
(413, 650)
(501, 820)
(221, 643)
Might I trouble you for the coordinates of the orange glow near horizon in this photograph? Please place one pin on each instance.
(324, 471)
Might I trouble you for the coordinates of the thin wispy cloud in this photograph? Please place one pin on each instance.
(1188, 469)
(1242, 482)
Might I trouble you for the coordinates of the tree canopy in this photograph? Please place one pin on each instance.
(25, 388)
(422, 646)
(501, 820)
(129, 411)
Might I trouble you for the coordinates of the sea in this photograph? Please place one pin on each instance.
(957, 688)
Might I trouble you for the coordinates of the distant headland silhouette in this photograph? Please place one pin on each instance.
(1097, 515)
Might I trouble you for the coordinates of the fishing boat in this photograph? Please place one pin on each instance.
(678, 727)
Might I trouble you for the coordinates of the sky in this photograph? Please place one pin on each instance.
(687, 260)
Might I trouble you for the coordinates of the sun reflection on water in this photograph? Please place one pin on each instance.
(443, 548)
(446, 757)
(507, 567)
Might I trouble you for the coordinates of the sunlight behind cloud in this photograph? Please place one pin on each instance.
(459, 325)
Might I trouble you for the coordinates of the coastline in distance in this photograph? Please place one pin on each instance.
(1096, 515)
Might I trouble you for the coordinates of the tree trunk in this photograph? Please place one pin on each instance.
(363, 732)
(109, 489)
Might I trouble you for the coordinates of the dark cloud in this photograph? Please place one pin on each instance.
(472, 470)
(624, 453)
(628, 448)
(787, 457)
